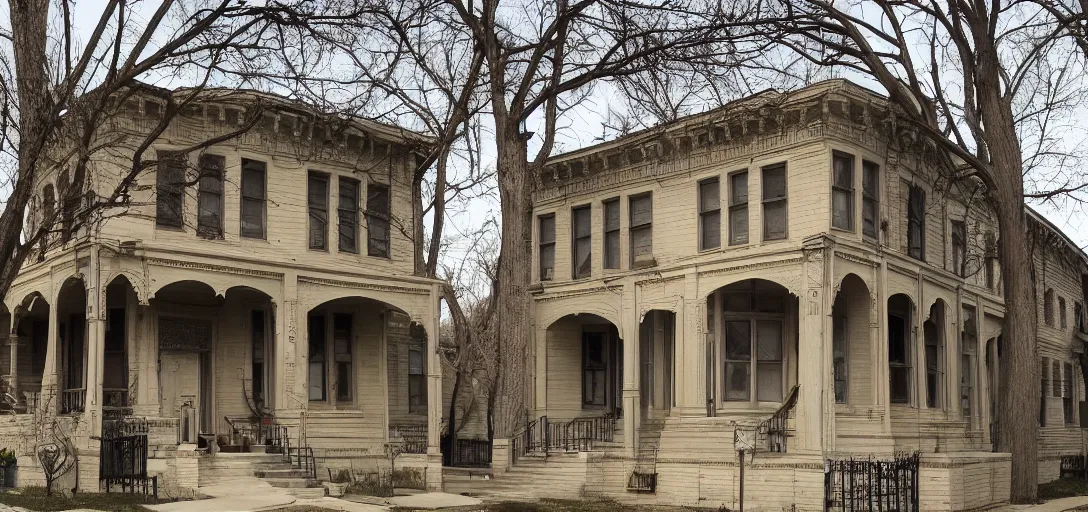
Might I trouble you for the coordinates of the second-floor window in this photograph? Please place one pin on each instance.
(1067, 393)
(916, 223)
(377, 220)
(1048, 306)
(1078, 318)
(169, 190)
(710, 214)
(347, 213)
(1044, 370)
(774, 202)
(959, 247)
(642, 235)
(318, 203)
(417, 402)
(738, 208)
(1062, 320)
(842, 192)
(582, 227)
(547, 246)
(870, 201)
(254, 199)
(209, 219)
(612, 233)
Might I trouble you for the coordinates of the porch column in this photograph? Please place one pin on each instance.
(146, 355)
(540, 380)
(881, 374)
(691, 372)
(96, 354)
(13, 364)
(811, 349)
(632, 406)
(434, 377)
(286, 363)
(49, 397)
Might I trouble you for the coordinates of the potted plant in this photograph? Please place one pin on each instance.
(8, 465)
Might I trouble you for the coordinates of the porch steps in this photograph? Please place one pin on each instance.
(268, 467)
(559, 475)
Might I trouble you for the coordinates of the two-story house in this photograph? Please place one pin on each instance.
(256, 291)
(790, 275)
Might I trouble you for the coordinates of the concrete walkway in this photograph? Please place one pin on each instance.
(245, 494)
(1060, 505)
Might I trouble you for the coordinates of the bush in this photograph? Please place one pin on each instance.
(1063, 488)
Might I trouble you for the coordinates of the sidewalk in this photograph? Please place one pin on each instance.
(1059, 505)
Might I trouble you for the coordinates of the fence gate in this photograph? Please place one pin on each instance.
(123, 458)
(870, 485)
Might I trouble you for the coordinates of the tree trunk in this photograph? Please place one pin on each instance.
(512, 308)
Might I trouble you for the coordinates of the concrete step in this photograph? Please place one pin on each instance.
(281, 473)
(306, 492)
(292, 483)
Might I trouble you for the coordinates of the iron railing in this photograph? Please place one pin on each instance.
(302, 457)
(468, 453)
(123, 457)
(414, 437)
(72, 400)
(115, 402)
(776, 429)
(579, 434)
(866, 485)
(1074, 466)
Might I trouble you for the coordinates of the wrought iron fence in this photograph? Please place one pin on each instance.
(123, 457)
(468, 453)
(1074, 466)
(71, 400)
(543, 435)
(865, 485)
(414, 437)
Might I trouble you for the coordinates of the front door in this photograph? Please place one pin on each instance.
(179, 394)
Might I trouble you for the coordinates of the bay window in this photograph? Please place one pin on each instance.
(753, 342)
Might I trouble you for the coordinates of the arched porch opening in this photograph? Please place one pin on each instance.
(584, 361)
(120, 321)
(753, 330)
(71, 354)
(901, 360)
(7, 339)
(30, 324)
(933, 338)
(852, 344)
(657, 356)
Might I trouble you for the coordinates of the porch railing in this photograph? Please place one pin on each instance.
(469, 453)
(776, 429)
(865, 485)
(71, 400)
(414, 437)
(542, 435)
(115, 401)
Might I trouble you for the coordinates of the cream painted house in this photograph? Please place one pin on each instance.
(688, 277)
(276, 293)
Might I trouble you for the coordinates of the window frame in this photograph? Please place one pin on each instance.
(1045, 384)
(602, 369)
(211, 173)
(873, 198)
(705, 212)
(311, 176)
(378, 218)
(646, 226)
(916, 193)
(417, 404)
(337, 358)
(958, 241)
(348, 214)
(584, 209)
(937, 370)
(250, 166)
(765, 201)
(837, 156)
(1048, 307)
(545, 245)
(174, 191)
(331, 361)
(607, 261)
(840, 350)
(968, 370)
(907, 365)
(1069, 394)
(738, 206)
(1063, 318)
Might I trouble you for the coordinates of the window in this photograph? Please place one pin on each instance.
(1067, 393)
(347, 213)
(842, 191)
(1061, 313)
(1048, 306)
(641, 230)
(1056, 377)
(257, 339)
(870, 201)
(209, 219)
(710, 214)
(991, 261)
(753, 366)
(341, 348)
(934, 371)
(899, 359)
(318, 190)
(916, 223)
(582, 241)
(377, 220)
(968, 344)
(169, 190)
(254, 199)
(594, 369)
(416, 398)
(774, 202)
(547, 246)
(839, 362)
(612, 233)
(316, 370)
(959, 247)
(1078, 318)
(1044, 370)
(738, 208)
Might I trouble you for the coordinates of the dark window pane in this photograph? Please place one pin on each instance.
(738, 340)
(712, 230)
(842, 209)
(253, 199)
(774, 220)
(916, 232)
(612, 249)
(612, 215)
(641, 244)
(738, 380)
(582, 222)
(843, 176)
(316, 353)
(739, 188)
(209, 220)
(348, 215)
(708, 195)
(641, 210)
(583, 241)
(869, 215)
(738, 225)
(547, 229)
(318, 192)
(169, 187)
(774, 182)
(378, 216)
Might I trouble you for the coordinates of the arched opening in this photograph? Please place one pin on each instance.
(584, 367)
(30, 323)
(900, 348)
(6, 341)
(657, 385)
(993, 375)
(933, 334)
(851, 343)
(753, 330)
(120, 318)
(71, 354)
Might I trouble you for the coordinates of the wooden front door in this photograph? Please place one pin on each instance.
(179, 392)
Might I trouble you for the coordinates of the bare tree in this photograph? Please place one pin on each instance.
(984, 85)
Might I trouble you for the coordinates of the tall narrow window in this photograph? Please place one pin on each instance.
(839, 362)
(1067, 393)
(316, 370)
(641, 230)
(738, 208)
(933, 374)
(170, 190)
(416, 399)
(547, 246)
(842, 191)
(1044, 369)
(899, 359)
(254, 199)
(1063, 321)
(341, 342)
(318, 187)
(1048, 306)
(1056, 377)
(377, 220)
(347, 214)
(916, 223)
(959, 247)
(1078, 318)
(612, 233)
(774, 202)
(968, 349)
(209, 220)
(582, 243)
(257, 338)
(594, 369)
(870, 202)
(710, 214)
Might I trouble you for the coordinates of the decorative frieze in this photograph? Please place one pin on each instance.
(577, 293)
(750, 266)
(363, 286)
(208, 267)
